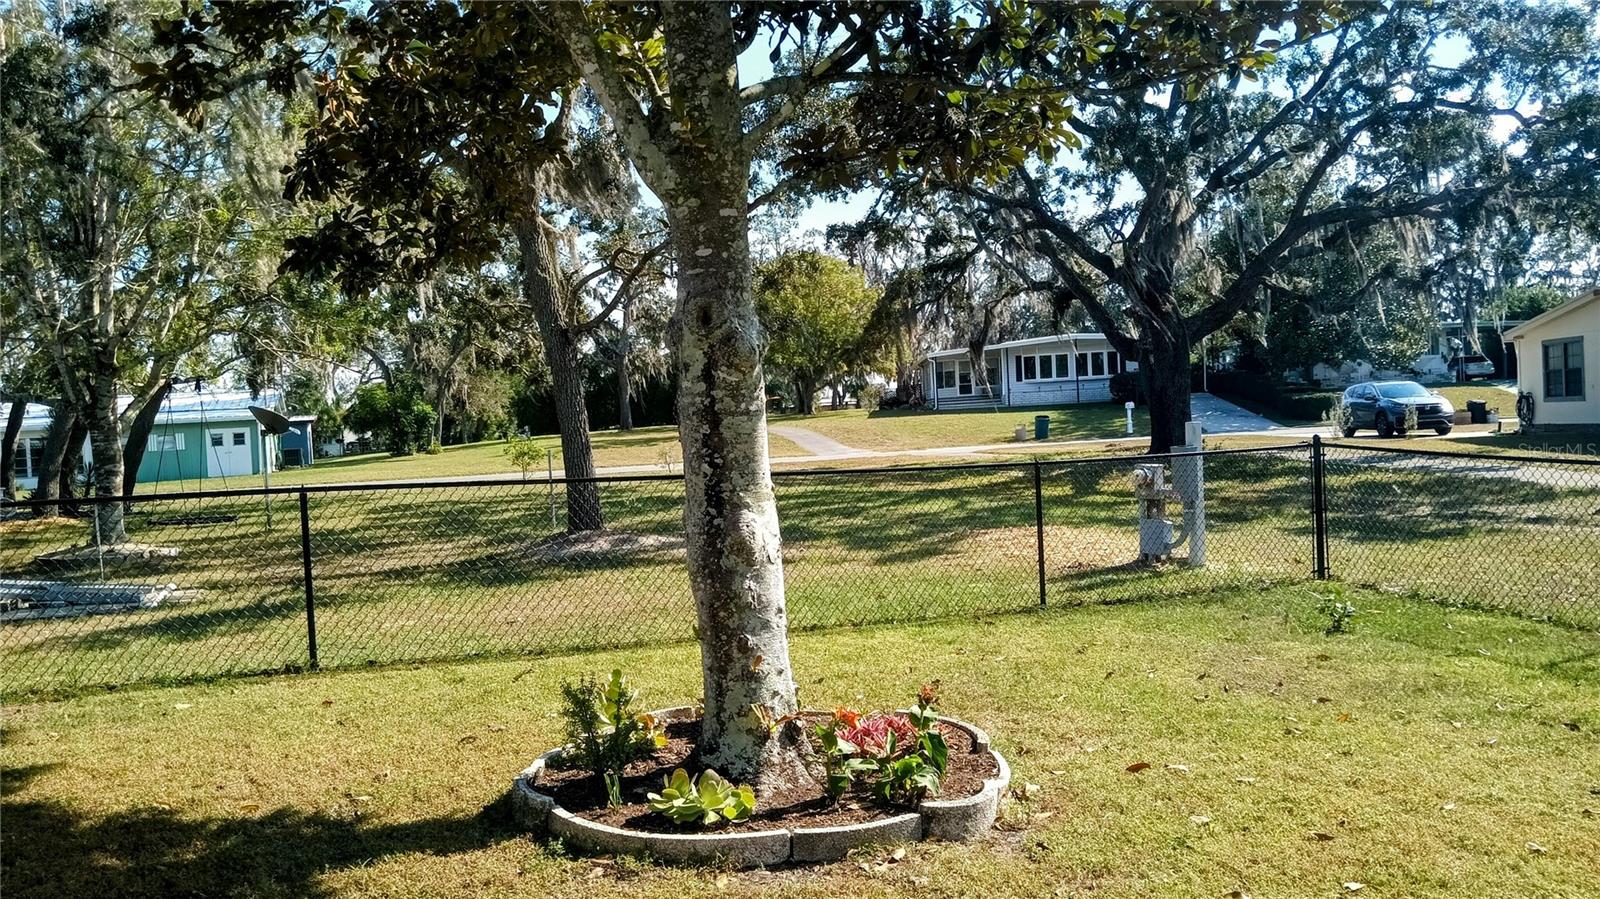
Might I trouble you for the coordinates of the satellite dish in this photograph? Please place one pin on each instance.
(271, 422)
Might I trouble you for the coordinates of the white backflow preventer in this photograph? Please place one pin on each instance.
(1157, 536)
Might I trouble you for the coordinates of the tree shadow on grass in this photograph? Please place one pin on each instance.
(52, 850)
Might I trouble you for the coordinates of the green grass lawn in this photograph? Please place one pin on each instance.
(1420, 755)
(653, 446)
(898, 429)
(458, 571)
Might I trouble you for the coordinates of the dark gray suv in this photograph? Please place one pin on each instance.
(1383, 406)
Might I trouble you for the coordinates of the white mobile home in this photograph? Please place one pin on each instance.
(1560, 362)
(1037, 371)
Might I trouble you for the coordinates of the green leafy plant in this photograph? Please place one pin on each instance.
(708, 801)
(899, 757)
(604, 734)
(523, 452)
(1333, 606)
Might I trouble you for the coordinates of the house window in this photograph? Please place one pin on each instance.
(1097, 364)
(164, 443)
(238, 438)
(947, 375)
(1083, 365)
(27, 458)
(1113, 361)
(216, 440)
(1563, 369)
(1044, 367)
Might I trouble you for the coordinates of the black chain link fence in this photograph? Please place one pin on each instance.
(217, 583)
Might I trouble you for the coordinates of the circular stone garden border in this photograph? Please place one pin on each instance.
(962, 819)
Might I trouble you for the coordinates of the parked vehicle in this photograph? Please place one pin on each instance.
(1385, 406)
(1465, 368)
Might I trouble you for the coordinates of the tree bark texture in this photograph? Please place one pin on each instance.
(52, 456)
(8, 445)
(139, 437)
(730, 514)
(624, 384)
(105, 442)
(542, 291)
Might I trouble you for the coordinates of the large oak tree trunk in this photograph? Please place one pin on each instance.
(541, 289)
(105, 442)
(8, 445)
(139, 436)
(730, 513)
(52, 456)
(1164, 366)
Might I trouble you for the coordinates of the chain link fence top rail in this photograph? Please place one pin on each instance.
(214, 584)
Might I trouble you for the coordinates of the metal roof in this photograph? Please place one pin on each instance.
(182, 406)
(1025, 342)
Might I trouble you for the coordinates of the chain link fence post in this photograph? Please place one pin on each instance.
(305, 564)
(1038, 524)
(1319, 507)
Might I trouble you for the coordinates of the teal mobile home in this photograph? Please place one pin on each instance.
(196, 435)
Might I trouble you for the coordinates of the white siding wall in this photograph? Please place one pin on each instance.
(1073, 387)
(1583, 323)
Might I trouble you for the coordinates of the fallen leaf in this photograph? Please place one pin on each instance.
(1136, 767)
(183, 705)
(361, 798)
(496, 728)
(1491, 741)
(1029, 790)
(898, 854)
(1181, 769)
(1323, 699)
(1448, 806)
(1244, 780)
(1199, 820)
(1323, 657)
(1536, 849)
(1571, 725)
(1352, 886)
(721, 881)
(1235, 894)
(250, 808)
(327, 702)
(469, 738)
(1321, 837)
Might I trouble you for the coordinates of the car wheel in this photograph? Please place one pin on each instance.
(1385, 426)
(1349, 432)
(1441, 430)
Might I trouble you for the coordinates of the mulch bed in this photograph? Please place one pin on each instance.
(583, 794)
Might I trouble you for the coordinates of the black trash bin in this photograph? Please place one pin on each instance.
(1478, 411)
(1041, 427)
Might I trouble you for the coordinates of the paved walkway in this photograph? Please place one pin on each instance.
(1218, 416)
(812, 442)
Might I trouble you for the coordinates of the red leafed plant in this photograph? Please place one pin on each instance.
(870, 733)
(901, 756)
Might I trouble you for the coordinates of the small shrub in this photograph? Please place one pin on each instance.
(434, 448)
(899, 757)
(708, 801)
(523, 452)
(1333, 606)
(870, 396)
(604, 734)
